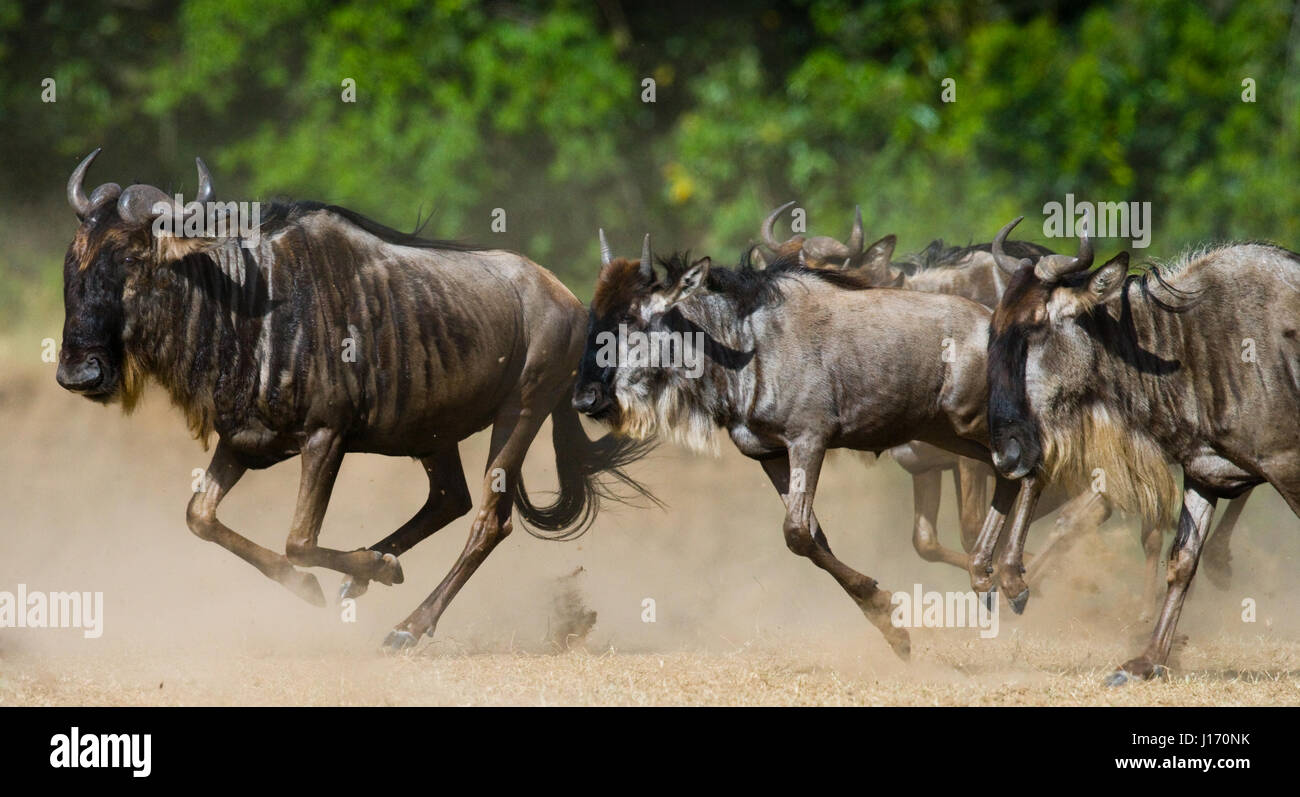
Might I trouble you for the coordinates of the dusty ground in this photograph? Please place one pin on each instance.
(94, 501)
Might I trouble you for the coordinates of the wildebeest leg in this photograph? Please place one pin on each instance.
(1085, 512)
(806, 459)
(448, 499)
(1193, 526)
(322, 455)
(926, 489)
(981, 556)
(201, 516)
(512, 433)
(1218, 556)
(1011, 570)
(971, 479)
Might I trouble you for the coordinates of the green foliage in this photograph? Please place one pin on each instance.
(535, 108)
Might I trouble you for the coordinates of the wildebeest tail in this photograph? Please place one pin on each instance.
(589, 471)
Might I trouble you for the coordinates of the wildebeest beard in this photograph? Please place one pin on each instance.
(668, 401)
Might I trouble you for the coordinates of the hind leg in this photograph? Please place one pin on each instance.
(448, 499)
(1218, 556)
(971, 478)
(201, 515)
(926, 491)
(512, 433)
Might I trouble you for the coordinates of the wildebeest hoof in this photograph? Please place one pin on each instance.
(388, 571)
(1139, 669)
(305, 586)
(1018, 602)
(1118, 678)
(988, 597)
(399, 640)
(353, 588)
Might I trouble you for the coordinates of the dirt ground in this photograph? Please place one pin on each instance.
(94, 501)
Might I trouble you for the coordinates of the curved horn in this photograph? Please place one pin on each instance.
(605, 255)
(206, 193)
(106, 191)
(1055, 267)
(76, 188)
(136, 204)
(1005, 262)
(856, 239)
(766, 230)
(647, 270)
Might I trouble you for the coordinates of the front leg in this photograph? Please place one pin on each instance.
(1012, 566)
(795, 478)
(321, 457)
(201, 515)
(981, 555)
(1193, 527)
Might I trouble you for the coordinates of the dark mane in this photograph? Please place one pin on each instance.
(282, 213)
(751, 288)
(939, 255)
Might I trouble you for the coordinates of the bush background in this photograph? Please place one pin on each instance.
(536, 108)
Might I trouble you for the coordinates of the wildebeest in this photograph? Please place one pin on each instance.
(1129, 372)
(336, 334)
(795, 361)
(979, 272)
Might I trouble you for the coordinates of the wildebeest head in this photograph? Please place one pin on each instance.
(822, 251)
(629, 300)
(1039, 353)
(114, 243)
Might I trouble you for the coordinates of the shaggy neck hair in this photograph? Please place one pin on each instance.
(730, 314)
(200, 325)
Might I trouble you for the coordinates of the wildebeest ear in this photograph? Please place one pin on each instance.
(1107, 279)
(691, 282)
(880, 253)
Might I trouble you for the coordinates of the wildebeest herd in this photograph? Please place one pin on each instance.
(332, 333)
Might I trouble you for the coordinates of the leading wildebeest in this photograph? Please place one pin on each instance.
(791, 362)
(335, 334)
(1130, 372)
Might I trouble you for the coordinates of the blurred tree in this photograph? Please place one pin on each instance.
(536, 108)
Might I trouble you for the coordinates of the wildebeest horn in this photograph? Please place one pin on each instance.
(76, 189)
(136, 204)
(205, 182)
(647, 270)
(766, 230)
(605, 254)
(1005, 262)
(1053, 268)
(856, 239)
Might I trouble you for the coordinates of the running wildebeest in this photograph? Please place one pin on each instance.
(791, 362)
(1132, 372)
(980, 274)
(336, 334)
